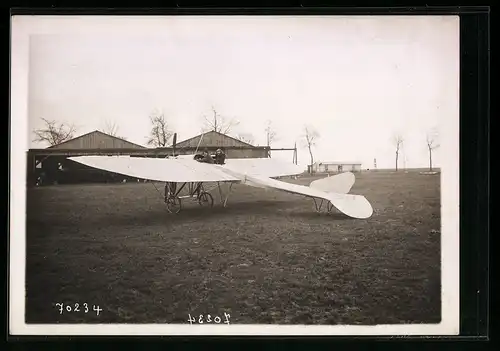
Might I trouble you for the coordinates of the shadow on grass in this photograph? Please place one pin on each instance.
(334, 216)
(194, 213)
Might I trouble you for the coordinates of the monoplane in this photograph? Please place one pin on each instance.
(183, 172)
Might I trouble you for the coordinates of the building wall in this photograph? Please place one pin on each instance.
(96, 140)
(257, 152)
(246, 153)
(325, 168)
(59, 170)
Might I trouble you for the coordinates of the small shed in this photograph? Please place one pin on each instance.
(336, 167)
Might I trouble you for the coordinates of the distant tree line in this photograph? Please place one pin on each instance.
(53, 133)
(160, 134)
(431, 142)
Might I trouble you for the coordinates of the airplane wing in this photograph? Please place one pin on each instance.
(356, 206)
(262, 167)
(157, 169)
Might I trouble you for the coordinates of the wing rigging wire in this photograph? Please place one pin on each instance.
(201, 138)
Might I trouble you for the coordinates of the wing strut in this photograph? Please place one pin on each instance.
(222, 199)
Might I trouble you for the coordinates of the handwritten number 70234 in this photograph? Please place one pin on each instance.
(78, 308)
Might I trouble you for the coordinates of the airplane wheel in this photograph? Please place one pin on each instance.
(174, 205)
(206, 199)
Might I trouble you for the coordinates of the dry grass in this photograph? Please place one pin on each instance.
(267, 258)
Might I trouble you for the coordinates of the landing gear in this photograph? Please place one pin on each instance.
(173, 201)
(196, 192)
(205, 199)
(174, 204)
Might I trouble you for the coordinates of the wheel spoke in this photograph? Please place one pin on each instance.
(206, 199)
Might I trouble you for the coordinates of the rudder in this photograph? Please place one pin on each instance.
(340, 183)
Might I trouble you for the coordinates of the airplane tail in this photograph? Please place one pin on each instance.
(337, 187)
(340, 183)
(356, 206)
(332, 189)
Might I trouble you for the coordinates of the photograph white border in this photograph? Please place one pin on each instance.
(21, 29)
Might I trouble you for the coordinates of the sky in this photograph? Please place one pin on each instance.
(357, 81)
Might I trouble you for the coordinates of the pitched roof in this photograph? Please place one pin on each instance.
(95, 132)
(214, 132)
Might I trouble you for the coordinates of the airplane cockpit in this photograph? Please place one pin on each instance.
(218, 158)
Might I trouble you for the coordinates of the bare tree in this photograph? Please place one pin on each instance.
(246, 138)
(432, 143)
(111, 128)
(219, 124)
(270, 133)
(54, 132)
(160, 133)
(310, 137)
(398, 141)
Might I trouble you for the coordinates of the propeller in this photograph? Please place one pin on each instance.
(174, 144)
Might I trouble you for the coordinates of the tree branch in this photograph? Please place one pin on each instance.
(160, 133)
(54, 133)
(219, 124)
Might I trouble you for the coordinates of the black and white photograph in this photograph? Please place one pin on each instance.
(251, 175)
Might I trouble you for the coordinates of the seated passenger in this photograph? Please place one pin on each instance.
(220, 157)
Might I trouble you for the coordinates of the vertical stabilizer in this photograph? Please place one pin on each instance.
(340, 183)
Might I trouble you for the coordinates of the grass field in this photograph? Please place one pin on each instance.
(267, 258)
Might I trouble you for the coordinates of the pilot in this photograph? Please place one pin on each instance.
(206, 157)
(220, 157)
